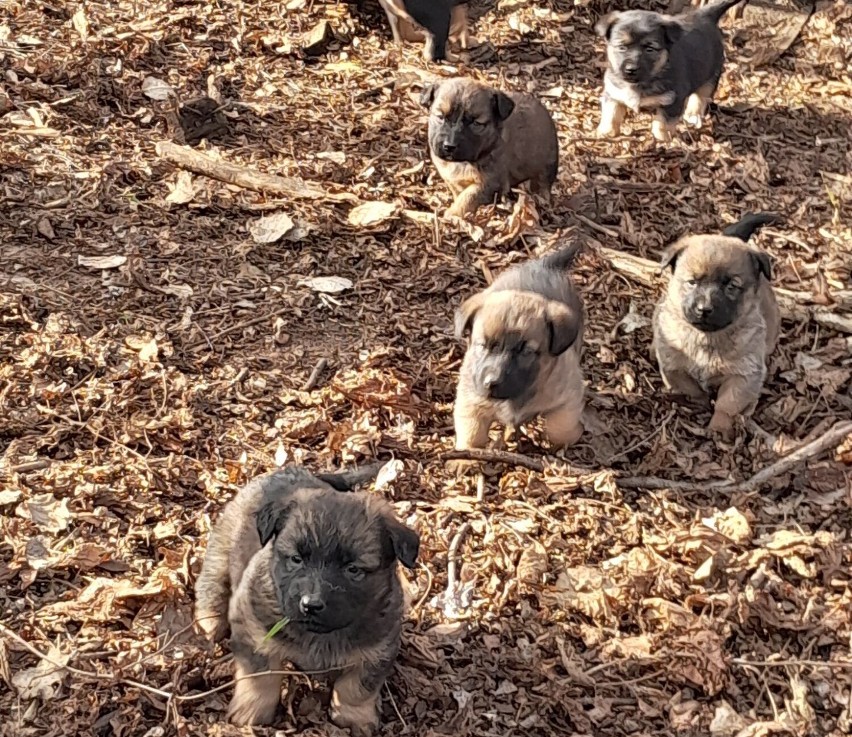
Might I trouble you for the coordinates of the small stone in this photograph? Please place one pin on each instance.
(316, 41)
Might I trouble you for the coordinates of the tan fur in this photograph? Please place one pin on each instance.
(558, 389)
(730, 362)
(524, 152)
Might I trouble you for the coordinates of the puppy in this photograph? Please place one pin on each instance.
(484, 142)
(291, 547)
(439, 19)
(523, 356)
(670, 65)
(718, 322)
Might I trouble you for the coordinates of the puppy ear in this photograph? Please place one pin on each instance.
(563, 325)
(427, 96)
(270, 519)
(762, 264)
(671, 254)
(672, 31)
(503, 105)
(605, 24)
(466, 314)
(404, 540)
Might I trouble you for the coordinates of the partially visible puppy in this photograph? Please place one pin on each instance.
(291, 547)
(669, 65)
(438, 19)
(484, 142)
(718, 322)
(523, 356)
(459, 31)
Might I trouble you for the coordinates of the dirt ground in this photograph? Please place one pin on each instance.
(154, 352)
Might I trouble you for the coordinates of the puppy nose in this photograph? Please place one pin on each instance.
(449, 146)
(311, 604)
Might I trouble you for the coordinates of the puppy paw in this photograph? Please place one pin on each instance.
(605, 130)
(661, 132)
(723, 426)
(247, 713)
(462, 468)
(696, 121)
(360, 720)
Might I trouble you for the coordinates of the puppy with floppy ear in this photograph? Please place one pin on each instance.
(523, 355)
(291, 548)
(670, 65)
(719, 320)
(484, 142)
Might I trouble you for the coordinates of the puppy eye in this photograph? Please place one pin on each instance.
(692, 282)
(438, 115)
(650, 47)
(477, 125)
(296, 560)
(354, 572)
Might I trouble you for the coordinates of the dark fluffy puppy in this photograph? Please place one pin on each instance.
(523, 357)
(718, 323)
(484, 142)
(439, 19)
(670, 65)
(291, 547)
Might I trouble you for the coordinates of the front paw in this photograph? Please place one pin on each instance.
(246, 712)
(463, 467)
(696, 121)
(360, 720)
(661, 132)
(606, 130)
(722, 425)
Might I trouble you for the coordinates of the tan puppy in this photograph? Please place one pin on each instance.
(718, 322)
(291, 548)
(523, 356)
(484, 142)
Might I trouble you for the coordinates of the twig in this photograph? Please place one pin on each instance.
(202, 163)
(452, 558)
(837, 664)
(494, 456)
(31, 466)
(241, 326)
(831, 438)
(313, 379)
(609, 232)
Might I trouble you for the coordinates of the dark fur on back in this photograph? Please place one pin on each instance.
(746, 226)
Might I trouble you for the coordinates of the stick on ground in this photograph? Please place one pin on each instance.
(202, 163)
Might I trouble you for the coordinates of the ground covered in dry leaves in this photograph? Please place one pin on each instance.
(156, 337)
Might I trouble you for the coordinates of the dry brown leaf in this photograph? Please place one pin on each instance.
(372, 213)
(46, 512)
(271, 228)
(101, 262)
(43, 680)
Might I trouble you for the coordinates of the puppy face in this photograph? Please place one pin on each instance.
(638, 43)
(715, 279)
(465, 118)
(334, 557)
(515, 338)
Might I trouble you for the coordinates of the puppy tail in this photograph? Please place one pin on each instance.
(563, 258)
(715, 11)
(348, 480)
(747, 225)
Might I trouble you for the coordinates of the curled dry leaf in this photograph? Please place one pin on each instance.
(156, 89)
(372, 213)
(101, 262)
(270, 228)
(327, 284)
(42, 681)
(388, 474)
(46, 512)
(81, 23)
(183, 190)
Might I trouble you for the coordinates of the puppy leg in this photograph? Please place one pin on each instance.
(213, 588)
(472, 424)
(696, 105)
(662, 127)
(542, 184)
(458, 26)
(255, 699)
(355, 697)
(737, 395)
(612, 116)
(564, 426)
(471, 198)
(680, 382)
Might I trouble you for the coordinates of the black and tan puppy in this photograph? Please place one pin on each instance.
(523, 355)
(718, 322)
(439, 20)
(291, 547)
(669, 65)
(484, 142)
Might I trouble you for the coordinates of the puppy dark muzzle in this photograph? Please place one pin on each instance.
(630, 71)
(703, 311)
(310, 605)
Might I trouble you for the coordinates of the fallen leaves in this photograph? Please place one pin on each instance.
(271, 228)
(157, 89)
(46, 512)
(43, 680)
(372, 213)
(101, 262)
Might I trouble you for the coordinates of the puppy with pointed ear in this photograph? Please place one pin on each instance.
(485, 142)
(718, 322)
(523, 356)
(304, 574)
(667, 65)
